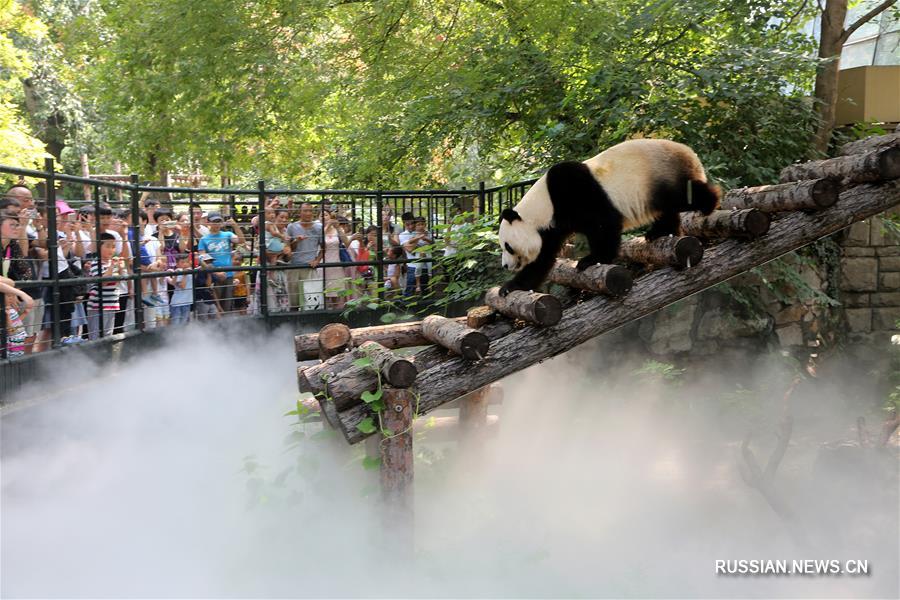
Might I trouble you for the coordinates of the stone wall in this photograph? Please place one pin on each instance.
(870, 281)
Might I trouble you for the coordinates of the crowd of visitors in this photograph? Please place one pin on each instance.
(313, 262)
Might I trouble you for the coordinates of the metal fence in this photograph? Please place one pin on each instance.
(83, 265)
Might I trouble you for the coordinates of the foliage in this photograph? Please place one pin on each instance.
(660, 372)
(462, 276)
(19, 147)
(420, 92)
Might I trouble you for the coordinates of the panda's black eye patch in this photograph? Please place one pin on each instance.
(509, 248)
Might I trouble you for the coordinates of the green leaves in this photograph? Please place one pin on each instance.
(367, 426)
(370, 397)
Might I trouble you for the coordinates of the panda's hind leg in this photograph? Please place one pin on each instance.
(666, 223)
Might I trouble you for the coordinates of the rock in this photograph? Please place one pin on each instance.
(859, 274)
(858, 251)
(790, 335)
(888, 251)
(889, 263)
(672, 328)
(858, 234)
(885, 319)
(719, 324)
(859, 319)
(852, 300)
(886, 299)
(791, 314)
(889, 281)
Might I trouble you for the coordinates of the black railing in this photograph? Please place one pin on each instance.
(362, 208)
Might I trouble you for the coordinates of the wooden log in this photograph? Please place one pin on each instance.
(428, 357)
(398, 371)
(398, 335)
(538, 309)
(494, 397)
(878, 165)
(473, 419)
(671, 251)
(810, 194)
(334, 338)
(613, 280)
(524, 347)
(479, 316)
(339, 382)
(875, 142)
(746, 223)
(397, 449)
(459, 339)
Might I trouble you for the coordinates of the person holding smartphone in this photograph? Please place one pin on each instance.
(305, 239)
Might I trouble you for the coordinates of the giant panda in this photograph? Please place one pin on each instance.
(626, 186)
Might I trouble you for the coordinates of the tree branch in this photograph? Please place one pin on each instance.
(865, 19)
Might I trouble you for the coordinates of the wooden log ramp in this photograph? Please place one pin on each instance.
(678, 252)
(810, 194)
(747, 223)
(612, 280)
(543, 310)
(882, 164)
(452, 377)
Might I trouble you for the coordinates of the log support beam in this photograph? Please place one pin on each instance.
(882, 164)
(612, 280)
(810, 194)
(538, 309)
(747, 223)
(672, 251)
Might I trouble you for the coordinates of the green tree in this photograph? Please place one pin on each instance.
(18, 145)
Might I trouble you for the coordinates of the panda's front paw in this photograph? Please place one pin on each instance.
(508, 287)
(587, 261)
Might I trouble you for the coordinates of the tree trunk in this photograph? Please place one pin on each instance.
(746, 223)
(826, 91)
(613, 280)
(878, 165)
(538, 309)
(456, 337)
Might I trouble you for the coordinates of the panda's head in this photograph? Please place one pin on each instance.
(520, 241)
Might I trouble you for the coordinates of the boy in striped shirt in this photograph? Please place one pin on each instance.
(104, 297)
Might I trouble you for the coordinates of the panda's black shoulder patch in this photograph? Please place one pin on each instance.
(510, 215)
(573, 190)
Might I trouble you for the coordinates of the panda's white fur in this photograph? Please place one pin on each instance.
(627, 172)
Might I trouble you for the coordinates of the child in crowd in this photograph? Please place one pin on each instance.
(15, 328)
(396, 273)
(104, 297)
(207, 305)
(240, 284)
(183, 296)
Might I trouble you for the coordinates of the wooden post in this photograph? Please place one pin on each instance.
(879, 165)
(810, 194)
(473, 419)
(459, 339)
(746, 223)
(612, 280)
(539, 309)
(397, 467)
(676, 252)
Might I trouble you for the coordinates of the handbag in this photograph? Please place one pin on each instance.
(344, 255)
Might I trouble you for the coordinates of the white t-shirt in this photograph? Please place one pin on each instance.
(405, 236)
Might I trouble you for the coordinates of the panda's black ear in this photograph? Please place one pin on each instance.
(510, 215)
